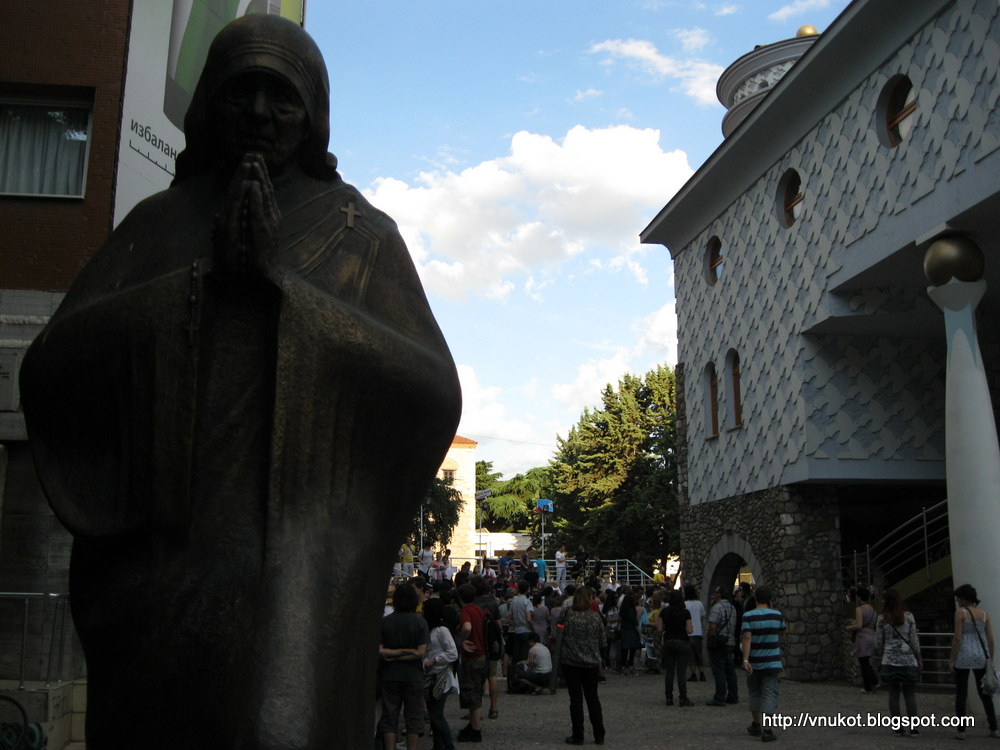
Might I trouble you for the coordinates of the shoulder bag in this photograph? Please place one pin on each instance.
(990, 684)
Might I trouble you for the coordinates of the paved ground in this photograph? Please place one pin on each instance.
(636, 719)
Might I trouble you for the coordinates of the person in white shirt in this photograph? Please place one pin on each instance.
(520, 614)
(561, 567)
(537, 668)
(426, 557)
(697, 610)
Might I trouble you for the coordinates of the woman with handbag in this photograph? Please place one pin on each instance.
(972, 650)
(897, 640)
(580, 647)
(439, 677)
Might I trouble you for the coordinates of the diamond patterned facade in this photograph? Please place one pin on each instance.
(819, 405)
(821, 296)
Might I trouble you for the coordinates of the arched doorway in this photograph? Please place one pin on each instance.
(725, 562)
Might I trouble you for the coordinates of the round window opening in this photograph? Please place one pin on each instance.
(789, 199)
(896, 107)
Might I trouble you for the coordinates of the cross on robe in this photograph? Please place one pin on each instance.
(351, 210)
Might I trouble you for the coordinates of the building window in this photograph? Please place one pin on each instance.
(896, 107)
(43, 147)
(449, 476)
(711, 400)
(789, 197)
(713, 260)
(735, 402)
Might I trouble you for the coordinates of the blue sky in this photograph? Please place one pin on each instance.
(521, 147)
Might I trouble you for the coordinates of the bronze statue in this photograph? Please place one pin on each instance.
(236, 411)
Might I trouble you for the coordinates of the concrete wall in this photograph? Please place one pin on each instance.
(461, 459)
(34, 558)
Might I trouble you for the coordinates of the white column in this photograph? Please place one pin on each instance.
(972, 453)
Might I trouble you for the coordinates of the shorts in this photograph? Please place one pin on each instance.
(764, 685)
(406, 695)
(471, 676)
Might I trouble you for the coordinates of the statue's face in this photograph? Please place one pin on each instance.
(262, 113)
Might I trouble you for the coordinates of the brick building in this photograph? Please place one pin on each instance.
(61, 81)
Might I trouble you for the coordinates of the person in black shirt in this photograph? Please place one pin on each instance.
(675, 624)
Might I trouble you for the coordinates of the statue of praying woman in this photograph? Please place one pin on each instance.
(236, 412)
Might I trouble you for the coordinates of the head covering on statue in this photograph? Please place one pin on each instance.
(275, 46)
(236, 412)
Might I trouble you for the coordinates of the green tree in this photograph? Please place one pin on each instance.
(486, 478)
(614, 475)
(440, 514)
(513, 501)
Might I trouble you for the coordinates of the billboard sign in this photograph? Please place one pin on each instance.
(168, 45)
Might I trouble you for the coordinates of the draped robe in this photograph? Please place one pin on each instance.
(238, 456)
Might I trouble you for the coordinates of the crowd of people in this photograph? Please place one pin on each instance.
(483, 628)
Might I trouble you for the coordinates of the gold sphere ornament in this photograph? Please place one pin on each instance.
(807, 31)
(953, 257)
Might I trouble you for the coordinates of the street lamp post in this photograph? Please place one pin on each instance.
(480, 496)
(543, 507)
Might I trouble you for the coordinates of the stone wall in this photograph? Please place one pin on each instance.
(790, 536)
(681, 434)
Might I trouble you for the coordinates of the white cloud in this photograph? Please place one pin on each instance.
(655, 343)
(727, 10)
(692, 39)
(513, 445)
(515, 220)
(797, 8)
(697, 78)
(588, 94)
(591, 377)
(658, 334)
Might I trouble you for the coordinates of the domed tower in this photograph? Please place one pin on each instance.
(748, 80)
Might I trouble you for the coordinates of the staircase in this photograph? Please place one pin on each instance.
(915, 560)
(911, 558)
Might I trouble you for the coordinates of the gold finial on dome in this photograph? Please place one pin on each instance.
(953, 257)
(806, 31)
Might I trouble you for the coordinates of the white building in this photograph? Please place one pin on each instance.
(812, 377)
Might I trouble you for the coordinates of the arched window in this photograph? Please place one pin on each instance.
(711, 400)
(713, 260)
(734, 411)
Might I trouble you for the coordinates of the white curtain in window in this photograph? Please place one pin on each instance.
(43, 149)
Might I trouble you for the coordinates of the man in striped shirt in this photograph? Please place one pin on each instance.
(762, 629)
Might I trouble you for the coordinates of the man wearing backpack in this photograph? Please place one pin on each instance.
(474, 666)
(494, 636)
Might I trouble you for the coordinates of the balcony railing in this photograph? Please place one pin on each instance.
(59, 604)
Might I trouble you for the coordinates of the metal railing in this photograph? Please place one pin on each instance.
(60, 604)
(622, 571)
(916, 543)
(935, 650)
